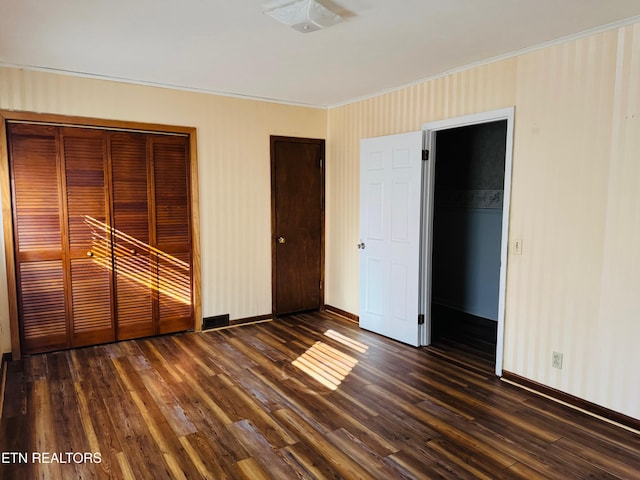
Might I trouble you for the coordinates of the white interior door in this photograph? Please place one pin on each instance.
(390, 218)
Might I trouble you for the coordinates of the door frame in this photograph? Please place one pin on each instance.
(430, 130)
(273, 139)
(75, 121)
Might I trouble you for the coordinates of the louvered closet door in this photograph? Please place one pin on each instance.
(37, 209)
(134, 278)
(89, 259)
(172, 233)
(102, 235)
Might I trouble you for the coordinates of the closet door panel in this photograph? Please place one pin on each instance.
(86, 194)
(84, 155)
(43, 308)
(91, 305)
(171, 179)
(130, 187)
(174, 293)
(38, 238)
(36, 195)
(173, 233)
(134, 284)
(134, 276)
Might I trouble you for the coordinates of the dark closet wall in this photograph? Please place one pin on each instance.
(467, 224)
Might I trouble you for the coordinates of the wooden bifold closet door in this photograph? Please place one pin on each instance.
(102, 235)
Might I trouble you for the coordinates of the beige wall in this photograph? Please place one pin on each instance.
(233, 162)
(575, 204)
(485, 88)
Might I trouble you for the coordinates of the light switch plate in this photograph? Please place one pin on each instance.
(517, 246)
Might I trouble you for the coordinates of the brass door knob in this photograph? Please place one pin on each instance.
(282, 240)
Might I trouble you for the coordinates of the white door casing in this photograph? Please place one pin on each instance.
(430, 130)
(390, 224)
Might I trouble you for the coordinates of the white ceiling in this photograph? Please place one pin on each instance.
(231, 47)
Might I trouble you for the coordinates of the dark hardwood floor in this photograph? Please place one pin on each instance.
(306, 396)
(463, 338)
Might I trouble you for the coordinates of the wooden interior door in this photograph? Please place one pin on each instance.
(88, 246)
(297, 182)
(102, 227)
(38, 222)
(151, 233)
(172, 228)
(63, 261)
(132, 263)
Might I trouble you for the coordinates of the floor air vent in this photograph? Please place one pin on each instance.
(215, 322)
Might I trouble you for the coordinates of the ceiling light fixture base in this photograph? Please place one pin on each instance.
(305, 16)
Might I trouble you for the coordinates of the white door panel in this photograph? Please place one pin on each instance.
(390, 189)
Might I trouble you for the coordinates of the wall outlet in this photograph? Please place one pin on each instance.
(556, 360)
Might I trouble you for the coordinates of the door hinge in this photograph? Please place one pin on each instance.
(320, 163)
(421, 319)
(425, 154)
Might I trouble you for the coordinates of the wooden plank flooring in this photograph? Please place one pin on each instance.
(307, 396)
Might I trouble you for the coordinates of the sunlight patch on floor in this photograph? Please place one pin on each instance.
(325, 364)
(349, 342)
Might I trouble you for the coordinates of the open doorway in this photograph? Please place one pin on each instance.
(391, 201)
(467, 232)
(467, 186)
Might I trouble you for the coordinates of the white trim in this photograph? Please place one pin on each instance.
(377, 93)
(424, 280)
(430, 130)
(539, 46)
(131, 81)
(572, 406)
